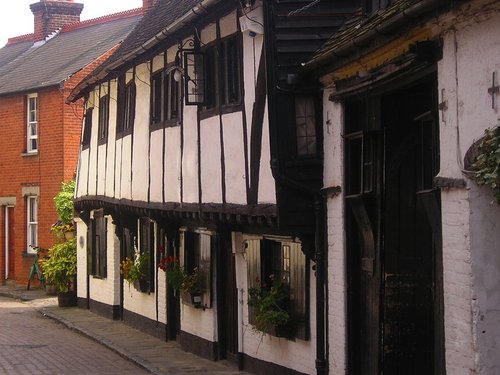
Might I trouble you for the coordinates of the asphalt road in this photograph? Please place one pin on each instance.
(33, 344)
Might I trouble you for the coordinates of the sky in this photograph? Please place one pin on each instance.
(16, 17)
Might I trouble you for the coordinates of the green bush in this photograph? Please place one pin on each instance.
(487, 164)
(64, 202)
(60, 268)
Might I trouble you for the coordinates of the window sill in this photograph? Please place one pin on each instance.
(224, 110)
(26, 254)
(29, 154)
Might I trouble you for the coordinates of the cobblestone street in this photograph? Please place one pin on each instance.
(33, 344)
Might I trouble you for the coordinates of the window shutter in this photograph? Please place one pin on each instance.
(253, 271)
(298, 289)
(205, 265)
(103, 230)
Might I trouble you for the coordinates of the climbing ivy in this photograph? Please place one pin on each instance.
(487, 164)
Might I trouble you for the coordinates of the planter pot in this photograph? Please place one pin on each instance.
(66, 299)
(194, 299)
(141, 286)
(50, 289)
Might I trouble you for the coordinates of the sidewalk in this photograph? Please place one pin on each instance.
(154, 355)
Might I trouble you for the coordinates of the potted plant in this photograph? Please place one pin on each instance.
(190, 285)
(60, 270)
(135, 270)
(64, 228)
(271, 308)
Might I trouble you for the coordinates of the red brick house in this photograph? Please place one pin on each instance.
(40, 132)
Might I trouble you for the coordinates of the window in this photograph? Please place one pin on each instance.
(223, 75)
(32, 121)
(210, 77)
(87, 128)
(125, 106)
(231, 71)
(103, 119)
(195, 256)
(98, 244)
(165, 99)
(32, 222)
(146, 248)
(194, 83)
(272, 260)
(305, 121)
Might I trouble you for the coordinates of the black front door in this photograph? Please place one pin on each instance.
(393, 232)
(227, 298)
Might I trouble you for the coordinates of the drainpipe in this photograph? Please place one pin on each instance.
(319, 212)
(320, 254)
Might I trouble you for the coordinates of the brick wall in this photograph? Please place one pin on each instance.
(45, 169)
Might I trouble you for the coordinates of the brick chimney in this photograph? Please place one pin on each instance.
(147, 5)
(50, 15)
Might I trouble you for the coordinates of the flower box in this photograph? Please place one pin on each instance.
(193, 299)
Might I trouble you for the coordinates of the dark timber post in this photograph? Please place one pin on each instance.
(319, 211)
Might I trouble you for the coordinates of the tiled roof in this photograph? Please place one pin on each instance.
(154, 27)
(358, 32)
(25, 66)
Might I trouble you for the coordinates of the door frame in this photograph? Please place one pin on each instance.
(375, 272)
(7, 240)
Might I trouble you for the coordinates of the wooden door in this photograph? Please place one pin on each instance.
(227, 299)
(394, 234)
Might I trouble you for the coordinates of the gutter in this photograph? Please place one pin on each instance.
(169, 30)
(384, 28)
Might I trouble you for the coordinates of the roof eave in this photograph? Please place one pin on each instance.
(193, 13)
(344, 50)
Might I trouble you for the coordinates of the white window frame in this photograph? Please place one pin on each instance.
(30, 136)
(31, 223)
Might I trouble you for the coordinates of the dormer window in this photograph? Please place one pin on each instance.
(32, 124)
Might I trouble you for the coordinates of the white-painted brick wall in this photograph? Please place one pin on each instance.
(107, 290)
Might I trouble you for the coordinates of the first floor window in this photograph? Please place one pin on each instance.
(32, 221)
(126, 106)
(98, 245)
(32, 121)
(87, 128)
(103, 119)
(305, 122)
(283, 266)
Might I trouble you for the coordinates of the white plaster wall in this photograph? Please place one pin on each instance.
(252, 50)
(333, 176)
(484, 239)
(107, 290)
(470, 223)
(140, 303)
(199, 322)
(156, 162)
(92, 165)
(140, 161)
(298, 355)
(172, 164)
(211, 173)
(126, 167)
(190, 156)
(110, 156)
(102, 150)
(267, 187)
(81, 258)
(228, 24)
(118, 168)
(234, 158)
(82, 176)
